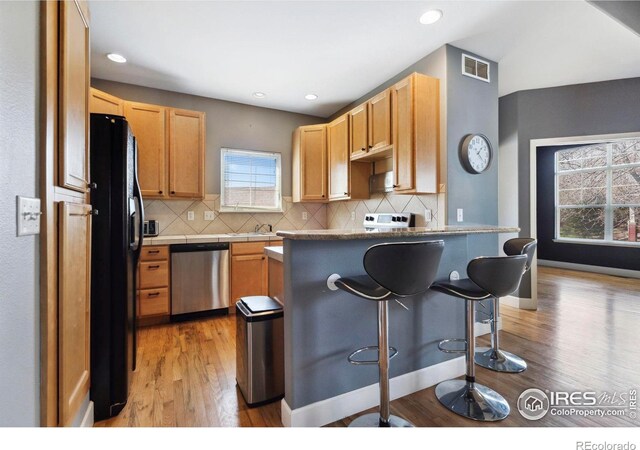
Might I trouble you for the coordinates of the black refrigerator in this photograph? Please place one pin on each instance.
(116, 243)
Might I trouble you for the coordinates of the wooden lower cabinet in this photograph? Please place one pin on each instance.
(74, 308)
(154, 294)
(249, 270)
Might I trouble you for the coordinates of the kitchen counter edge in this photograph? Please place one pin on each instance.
(361, 233)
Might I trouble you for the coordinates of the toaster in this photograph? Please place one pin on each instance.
(150, 228)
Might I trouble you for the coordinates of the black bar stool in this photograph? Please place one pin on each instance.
(488, 277)
(399, 269)
(494, 358)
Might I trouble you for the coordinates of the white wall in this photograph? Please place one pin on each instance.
(19, 337)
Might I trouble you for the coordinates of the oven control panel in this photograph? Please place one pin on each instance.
(389, 220)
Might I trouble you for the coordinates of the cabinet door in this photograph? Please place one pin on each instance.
(338, 145)
(101, 102)
(403, 142)
(358, 130)
(74, 308)
(186, 153)
(248, 276)
(380, 121)
(313, 163)
(148, 125)
(74, 98)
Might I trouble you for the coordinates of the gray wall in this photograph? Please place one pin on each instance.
(19, 279)
(578, 110)
(229, 124)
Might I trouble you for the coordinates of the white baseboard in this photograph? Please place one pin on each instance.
(594, 269)
(519, 302)
(87, 420)
(336, 408)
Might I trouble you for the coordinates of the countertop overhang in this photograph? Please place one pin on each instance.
(362, 233)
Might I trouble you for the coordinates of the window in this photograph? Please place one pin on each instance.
(250, 181)
(597, 190)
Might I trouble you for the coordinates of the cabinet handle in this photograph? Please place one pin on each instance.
(362, 149)
(159, 192)
(153, 294)
(153, 251)
(371, 146)
(396, 185)
(154, 267)
(346, 193)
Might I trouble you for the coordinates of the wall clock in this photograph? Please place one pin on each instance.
(476, 153)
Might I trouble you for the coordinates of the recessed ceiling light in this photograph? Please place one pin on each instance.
(430, 17)
(117, 58)
(311, 97)
(259, 94)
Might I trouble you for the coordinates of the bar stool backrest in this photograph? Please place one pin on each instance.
(404, 268)
(498, 275)
(521, 246)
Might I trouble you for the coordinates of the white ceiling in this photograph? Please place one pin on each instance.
(340, 50)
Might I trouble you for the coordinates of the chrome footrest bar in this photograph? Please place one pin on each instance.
(362, 362)
(444, 342)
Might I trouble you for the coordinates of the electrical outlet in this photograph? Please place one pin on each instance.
(460, 214)
(191, 215)
(427, 215)
(353, 215)
(305, 215)
(209, 215)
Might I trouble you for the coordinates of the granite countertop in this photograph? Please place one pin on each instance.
(361, 233)
(207, 238)
(276, 253)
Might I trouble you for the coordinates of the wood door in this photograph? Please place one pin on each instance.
(73, 169)
(248, 276)
(148, 125)
(403, 135)
(338, 150)
(313, 163)
(358, 130)
(101, 102)
(186, 153)
(74, 284)
(380, 121)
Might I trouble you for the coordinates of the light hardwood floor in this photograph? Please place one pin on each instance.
(583, 337)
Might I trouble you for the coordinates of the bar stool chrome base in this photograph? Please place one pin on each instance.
(472, 400)
(499, 360)
(373, 420)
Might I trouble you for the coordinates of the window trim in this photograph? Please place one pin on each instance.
(608, 207)
(241, 209)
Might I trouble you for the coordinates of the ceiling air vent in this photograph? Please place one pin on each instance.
(475, 68)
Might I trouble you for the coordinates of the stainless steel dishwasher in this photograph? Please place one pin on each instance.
(199, 279)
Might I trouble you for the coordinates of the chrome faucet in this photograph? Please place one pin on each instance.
(257, 228)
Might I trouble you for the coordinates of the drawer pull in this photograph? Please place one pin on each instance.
(154, 267)
(153, 251)
(153, 294)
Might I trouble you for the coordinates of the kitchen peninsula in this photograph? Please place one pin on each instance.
(323, 326)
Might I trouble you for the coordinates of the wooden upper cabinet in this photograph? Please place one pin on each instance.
(148, 125)
(186, 153)
(103, 103)
(416, 134)
(309, 164)
(358, 134)
(379, 121)
(74, 302)
(338, 154)
(74, 78)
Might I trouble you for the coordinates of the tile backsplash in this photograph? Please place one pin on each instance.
(172, 217)
(172, 214)
(350, 214)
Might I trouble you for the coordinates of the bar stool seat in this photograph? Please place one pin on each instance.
(398, 269)
(464, 288)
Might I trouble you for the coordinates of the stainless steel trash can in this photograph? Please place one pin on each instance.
(259, 349)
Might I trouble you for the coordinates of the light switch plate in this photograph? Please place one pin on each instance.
(353, 215)
(28, 216)
(209, 215)
(427, 215)
(305, 216)
(460, 214)
(191, 215)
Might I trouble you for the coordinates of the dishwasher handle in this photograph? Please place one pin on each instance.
(210, 247)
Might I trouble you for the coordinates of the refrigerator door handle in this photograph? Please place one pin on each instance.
(140, 206)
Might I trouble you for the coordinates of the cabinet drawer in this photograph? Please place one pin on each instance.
(153, 302)
(248, 248)
(154, 253)
(154, 274)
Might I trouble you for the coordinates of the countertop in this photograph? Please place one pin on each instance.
(361, 233)
(207, 238)
(276, 253)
